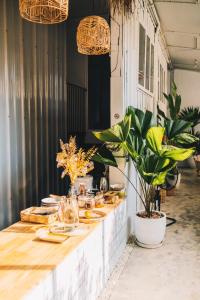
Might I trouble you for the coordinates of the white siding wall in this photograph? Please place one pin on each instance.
(125, 89)
(188, 83)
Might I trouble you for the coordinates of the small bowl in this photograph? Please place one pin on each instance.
(117, 186)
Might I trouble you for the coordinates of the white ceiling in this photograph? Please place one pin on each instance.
(180, 22)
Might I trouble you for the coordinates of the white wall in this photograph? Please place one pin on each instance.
(125, 89)
(188, 83)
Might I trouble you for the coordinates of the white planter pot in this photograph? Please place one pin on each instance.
(175, 182)
(178, 181)
(150, 233)
(191, 162)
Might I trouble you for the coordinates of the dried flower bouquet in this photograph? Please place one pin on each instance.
(75, 162)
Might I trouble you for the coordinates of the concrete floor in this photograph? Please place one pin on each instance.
(171, 272)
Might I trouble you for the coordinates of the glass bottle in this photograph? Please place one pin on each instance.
(103, 184)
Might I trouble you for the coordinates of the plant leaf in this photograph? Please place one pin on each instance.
(117, 133)
(105, 160)
(175, 127)
(177, 104)
(154, 138)
(161, 113)
(141, 121)
(175, 153)
(186, 140)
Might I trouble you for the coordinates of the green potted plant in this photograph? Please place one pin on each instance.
(152, 158)
(177, 129)
(192, 114)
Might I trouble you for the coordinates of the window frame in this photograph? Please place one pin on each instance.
(149, 89)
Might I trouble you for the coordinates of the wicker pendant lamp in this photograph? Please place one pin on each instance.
(93, 36)
(44, 11)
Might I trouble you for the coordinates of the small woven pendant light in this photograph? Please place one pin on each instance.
(93, 36)
(44, 11)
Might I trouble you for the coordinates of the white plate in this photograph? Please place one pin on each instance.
(49, 201)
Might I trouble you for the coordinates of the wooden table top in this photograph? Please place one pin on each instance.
(25, 261)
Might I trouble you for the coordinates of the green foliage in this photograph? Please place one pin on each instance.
(174, 102)
(175, 127)
(161, 114)
(144, 143)
(105, 160)
(190, 114)
(117, 133)
(154, 139)
(140, 121)
(186, 140)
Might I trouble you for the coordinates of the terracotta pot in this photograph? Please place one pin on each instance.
(171, 192)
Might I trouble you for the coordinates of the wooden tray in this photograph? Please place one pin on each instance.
(27, 215)
(100, 217)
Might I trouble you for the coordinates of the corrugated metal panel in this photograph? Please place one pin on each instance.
(33, 110)
(76, 107)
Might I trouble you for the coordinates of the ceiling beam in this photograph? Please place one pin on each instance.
(183, 47)
(186, 67)
(176, 1)
(191, 34)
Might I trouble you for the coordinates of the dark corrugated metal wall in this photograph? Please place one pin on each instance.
(33, 110)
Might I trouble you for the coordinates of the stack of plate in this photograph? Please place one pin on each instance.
(49, 202)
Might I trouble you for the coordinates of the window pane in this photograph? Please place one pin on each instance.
(141, 55)
(158, 80)
(147, 63)
(164, 85)
(161, 83)
(152, 69)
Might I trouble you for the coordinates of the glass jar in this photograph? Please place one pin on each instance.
(99, 200)
(68, 215)
(81, 201)
(90, 202)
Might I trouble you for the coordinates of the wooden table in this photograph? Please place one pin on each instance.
(77, 269)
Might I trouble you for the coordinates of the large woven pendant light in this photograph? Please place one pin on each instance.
(93, 36)
(44, 11)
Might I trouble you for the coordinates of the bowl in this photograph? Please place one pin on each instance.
(117, 187)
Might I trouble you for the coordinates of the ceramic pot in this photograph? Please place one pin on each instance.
(191, 163)
(176, 181)
(150, 233)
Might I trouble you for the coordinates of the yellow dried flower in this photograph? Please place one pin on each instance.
(75, 162)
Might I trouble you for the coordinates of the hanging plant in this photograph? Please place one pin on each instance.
(122, 6)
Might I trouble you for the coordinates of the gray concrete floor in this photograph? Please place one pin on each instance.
(171, 272)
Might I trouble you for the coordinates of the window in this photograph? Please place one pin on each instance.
(152, 69)
(141, 55)
(158, 80)
(146, 61)
(147, 64)
(161, 82)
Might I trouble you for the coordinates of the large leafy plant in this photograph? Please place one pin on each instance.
(174, 103)
(138, 136)
(191, 114)
(178, 124)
